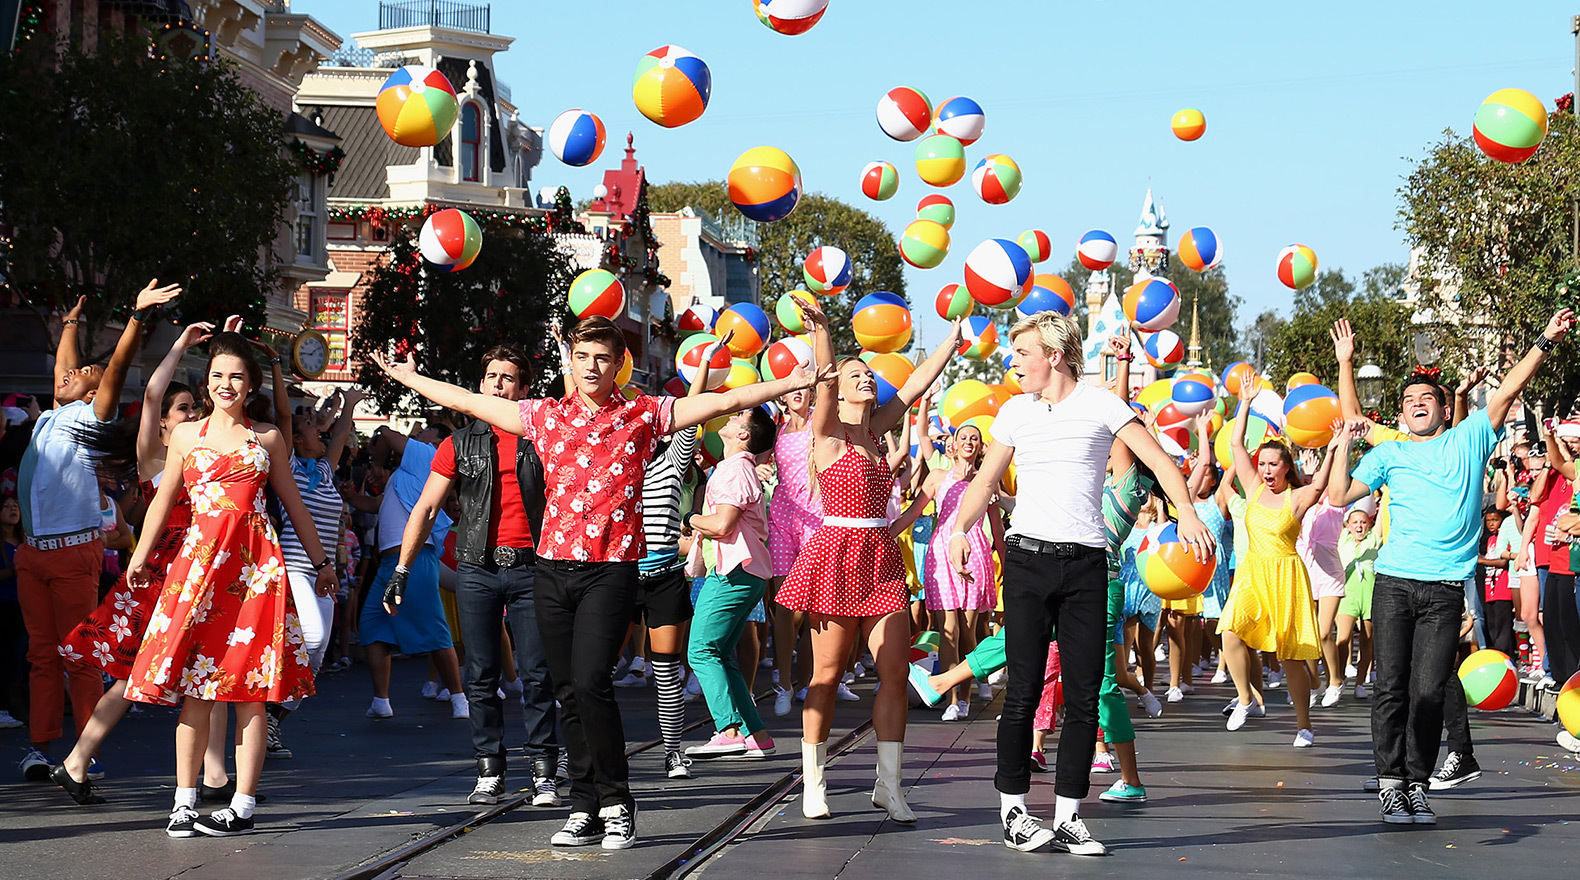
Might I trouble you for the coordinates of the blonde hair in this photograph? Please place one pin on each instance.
(1057, 333)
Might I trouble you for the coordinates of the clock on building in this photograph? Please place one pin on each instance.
(310, 354)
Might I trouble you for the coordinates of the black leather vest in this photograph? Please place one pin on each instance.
(476, 457)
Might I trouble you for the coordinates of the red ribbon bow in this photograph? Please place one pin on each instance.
(1433, 373)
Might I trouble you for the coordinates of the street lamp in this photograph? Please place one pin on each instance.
(1427, 351)
(1369, 382)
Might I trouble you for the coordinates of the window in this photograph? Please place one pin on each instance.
(471, 140)
(331, 317)
(306, 215)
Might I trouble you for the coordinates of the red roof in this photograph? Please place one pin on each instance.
(622, 185)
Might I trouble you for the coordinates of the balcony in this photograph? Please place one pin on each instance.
(434, 13)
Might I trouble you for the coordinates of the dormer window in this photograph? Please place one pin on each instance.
(471, 142)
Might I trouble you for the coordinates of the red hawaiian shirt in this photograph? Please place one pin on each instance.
(594, 461)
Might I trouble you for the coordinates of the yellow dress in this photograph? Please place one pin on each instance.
(1270, 603)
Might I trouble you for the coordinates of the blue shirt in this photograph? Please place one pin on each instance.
(1434, 500)
(56, 484)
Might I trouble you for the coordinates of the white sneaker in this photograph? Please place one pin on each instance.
(1350, 670)
(1311, 701)
(1304, 739)
(1175, 695)
(984, 692)
(1330, 697)
(1160, 654)
(442, 695)
(380, 709)
(7, 721)
(430, 690)
(1220, 677)
(638, 667)
(459, 708)
(845, 694)
(1274, 679)
(858, 670)
(631, 680)
(781, 701)
(1361, 693)
(800, 695)
(848, 678)
(1149, 702)
(1238, 716)
(999, 678)
(952, 713)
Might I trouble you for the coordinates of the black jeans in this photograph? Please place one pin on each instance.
(584, 610)
(1561, 621)
(483, 593)
(1042, 592)
(1415, 637)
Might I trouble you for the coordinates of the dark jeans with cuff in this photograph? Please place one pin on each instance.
(483, 593)
(1415, 638)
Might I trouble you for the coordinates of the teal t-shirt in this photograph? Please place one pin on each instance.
(1434, 500)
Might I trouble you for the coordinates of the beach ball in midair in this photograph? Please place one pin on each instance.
(891, 371)
(740, 374)
(1489, 680)
(1168, 565)
(953, 301)
(1192, 394)
(924, 244)
(1155, 395)
(786, 313)
(689, 357)
(675, 387)
(699, 318)
(1568, 706)
(967, 399)
(1049, 293)
(879, 181)
(416, 106)
(1236, 373)
(996, 178)
(978, 338)
(827, 271)
(750, 325)
(1510, 125)
(576, 137)
(961, 118)
(1297, 266)
(1188, 124)
(1298, 379)
(672, 86)
(940, 160)
(997, 272)
(1164, 349)
(1200, 249)
(938, 208)
(765, 184)
(1309, 412)
(1036, 244)
(881, 322)
(596, 292)
(790, 17)
(450, 240)
(1257, 431)
(1152, 304)
(1011, 381)
(904, 113)
(785, 357)
(627, 365)
(1097, 250)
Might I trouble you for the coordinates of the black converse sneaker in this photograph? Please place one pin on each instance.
(1073, 838)
(581, 829)
(183, 822)
(487, 790)
(224, 823)
(1024, 832)
(545, 788)
(619, 824)
(1457, 769)
(1394, 807)
(1421, 811)
(676, 766)
(276, 748)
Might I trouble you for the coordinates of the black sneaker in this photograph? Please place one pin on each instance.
(183, 822)
(1457, 769)
(210, 794)
(676, 766)
(545, 788)
(619, 826)
(487, 790)
(581, 829)
(1421, 811)
(1024, 832)
(1073, 838)
(224, 823)
(1395, 808)
(276, 749)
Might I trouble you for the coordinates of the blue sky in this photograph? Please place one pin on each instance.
(1313, 110)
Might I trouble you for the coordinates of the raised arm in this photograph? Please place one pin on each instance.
(1559, 457)
(109, 395)
(1198, 477)
(921, 379)
(1462, 393)
(1521, 374)
(1119, 346)
(1343, 489)
(68, 356)
(283, 417)
(497, 411)
(1310, 495)
(150, 448)
(171, 485)
(341, 432)
(1244, 468)
(1343, 337)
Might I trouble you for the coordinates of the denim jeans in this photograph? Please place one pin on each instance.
(483, 593)
(1415, 636)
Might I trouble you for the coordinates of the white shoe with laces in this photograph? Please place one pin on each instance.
(1304, 739)
(1330, 697)
(1220, 677)
(1274, 679)
(430, 690)
(984, 691)
(999, 678)
(459, 707)
(487, 790)
(1361, 693)
(1023, 832)
(954, 712)
(1238, 716)
(1175, 695)
(1073, 838)
(1150, 703)
(781, 701)
(845, 694)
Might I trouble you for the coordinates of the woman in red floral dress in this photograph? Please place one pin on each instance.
(224, 628)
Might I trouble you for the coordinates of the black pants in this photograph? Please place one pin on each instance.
(1561, 622)
(1500, 625)
(1415, 637)
(483, 593)
(584, 610)
(1067, 590)
(13, 659)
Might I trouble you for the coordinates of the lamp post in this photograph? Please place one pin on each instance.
(1369, 382)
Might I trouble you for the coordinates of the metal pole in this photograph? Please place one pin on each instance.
(1574, 28)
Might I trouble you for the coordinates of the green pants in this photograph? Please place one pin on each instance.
(723, 605)
(1113, 714)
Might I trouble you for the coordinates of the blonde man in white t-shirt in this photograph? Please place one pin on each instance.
(1058, 433)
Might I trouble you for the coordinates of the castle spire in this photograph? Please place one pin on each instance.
(1195, 333)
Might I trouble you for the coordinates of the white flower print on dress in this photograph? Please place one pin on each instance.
(101, 653)
(617, 468)
(189, 544)
(207, 497)
(241, 635)
(125, 602)
(121, 627)
(254, 455)
(270, 573)
(204, 666)
(158, 623)
(163, 674)
(301, 656)
(269, 666)
(210, 690)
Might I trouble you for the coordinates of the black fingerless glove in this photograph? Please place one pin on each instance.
(395, 588)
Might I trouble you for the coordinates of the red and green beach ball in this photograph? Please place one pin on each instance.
(1489, 680)
(596, 292)
(450, 240)
(1510, 125)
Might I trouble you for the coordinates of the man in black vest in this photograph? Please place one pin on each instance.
(501, 511)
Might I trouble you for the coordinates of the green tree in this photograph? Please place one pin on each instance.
(117, 167)
(784, 244)
(1216, 308)
(1258, 337)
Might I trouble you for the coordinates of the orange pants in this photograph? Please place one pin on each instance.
(58, 589)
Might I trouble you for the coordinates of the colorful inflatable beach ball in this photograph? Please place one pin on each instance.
(1188, 124)
(1036, 244)
(1097, 250)
(786, 313)
(1309, 412)
(978, 338)
(675, 387)
(1234, 374)
(450, 240)
(961, 118)
(1257, 431)
(1298, 379)
(879, 181)
(1049, 293)
(1489, 680)
(740, 374)
(953, 301)
(416, 106)
(1200, 249)
(997, 272)
(765, 184)
(1297, 266)
(1568, 708)
(904, 113)
(596, 292)
(996, 178)
(891, 371)
(966, 399)
(1011, 382)
(1192, 394)
(785, 357)
(1510, 125)
(1156, 394)
(1152, 305)
(881, 322)
(709, 443)
(672, 86)
(622, 376)
(576, 137)
(790, 17)
(749, 323)
(937, 208)
(1169, 567)
(827, 271)
(940, 160)
(924, 244)
(1164, 348)
(689, 358)
(699, 318)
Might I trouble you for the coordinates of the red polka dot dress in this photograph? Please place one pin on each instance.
(850, 570)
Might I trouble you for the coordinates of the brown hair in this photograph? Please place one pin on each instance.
(235, 345)
(598, 330)
(1295, 478)
(513, 355)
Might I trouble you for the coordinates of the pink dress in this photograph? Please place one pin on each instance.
(794, 513)
(1047, 716)
(1318, 547)
(945, 589)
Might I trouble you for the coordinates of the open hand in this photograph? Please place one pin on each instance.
(1472, 379)
(1195, 533)
(154, 295)
(812, 314)
(194, 334)
(75, 313)
(401, 371)
(1560, 325)
(1343, 337)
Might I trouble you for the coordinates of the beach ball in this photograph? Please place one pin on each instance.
(881, 322)
(1257, 431)
(1011, 382)
(1298, 379)
(891, 371)
(765, 184)
(1188, 124)
(1234, 374)
(1097, 250)
(904, 113)
(1200, 249)
(790, 17)
(576, 137)
(450, 240)
(997, 272)
(416, 106)
(710, 444)
(1309, 411)
(749, 323)
(966, 399)
(1164, 349)
(1049, 293)
(786, 313)
(924, 244)
(622, 376)
(672, 86)
(699, 318)
(1168, 566)
(689, 358)
(996, 178)
(1036, 244)
(1510, 125)
(937, 208)
(1568, 708)
(953, 301)
(940, 160)
(596, 292)
(785, 357)
(1489, 680)
(879, 181)
(740, 374)
(1152, 304)
(978, 338)
(960, 118)
(1297, 266)
(1191, 394)
(827, 271)
(675, 387)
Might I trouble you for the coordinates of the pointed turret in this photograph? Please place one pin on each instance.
(1195, 334)
(1150, 255)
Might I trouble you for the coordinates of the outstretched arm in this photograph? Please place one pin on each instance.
(1343, 337)
(150, 447)
(921, 379)
(1521, 374)
(68, 356)
(109, 395)
(1310, 495)
(497, 411)
(692, 411)
(1244, 468)
(1462, 393)
(1343, 489)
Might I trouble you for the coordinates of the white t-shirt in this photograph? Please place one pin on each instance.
(1061, 454)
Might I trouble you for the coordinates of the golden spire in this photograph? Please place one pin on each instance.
(1195, 333)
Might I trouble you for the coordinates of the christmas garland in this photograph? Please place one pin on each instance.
(1565, 103)
(29, 20)
(316, 162)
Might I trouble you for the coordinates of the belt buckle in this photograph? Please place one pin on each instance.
(505, 557)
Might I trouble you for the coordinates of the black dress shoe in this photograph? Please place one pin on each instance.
(81, 792)
(208, 794)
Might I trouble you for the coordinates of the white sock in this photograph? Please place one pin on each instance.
(242, 805)
(382, 704)
(1064, 809)
(1006, 801)
(186, 797)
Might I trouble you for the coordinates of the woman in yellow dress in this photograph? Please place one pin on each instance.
(1270, 604)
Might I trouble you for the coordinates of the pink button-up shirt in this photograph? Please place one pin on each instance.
(734, 482)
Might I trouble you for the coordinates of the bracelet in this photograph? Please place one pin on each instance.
(685, 521)
(1545, 344)
(323, 565)
(1124, 357)
(141, 315)
(274, 361)
(71, 321)
(955, 535)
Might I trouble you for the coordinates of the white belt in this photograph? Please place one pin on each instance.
(61, 542)
(856, 522)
